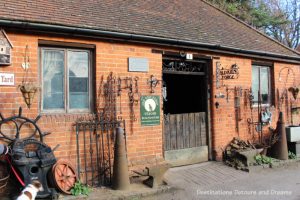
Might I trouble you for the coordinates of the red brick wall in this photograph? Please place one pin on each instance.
(144, 143)
(223, 118)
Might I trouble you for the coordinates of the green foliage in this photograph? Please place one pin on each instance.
(79, 189)
(261, 159)
(292, 155)
(277, 18)
(256, 14)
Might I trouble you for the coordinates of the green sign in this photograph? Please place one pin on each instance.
(150, 110)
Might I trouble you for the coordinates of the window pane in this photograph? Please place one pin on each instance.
(53, 79)
(78, 65)
(264, 84)
(255, 82)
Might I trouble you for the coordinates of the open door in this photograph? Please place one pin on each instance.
(185, 107)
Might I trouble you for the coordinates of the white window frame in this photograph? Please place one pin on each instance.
(66, 81)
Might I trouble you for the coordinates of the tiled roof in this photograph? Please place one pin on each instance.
(191, 20)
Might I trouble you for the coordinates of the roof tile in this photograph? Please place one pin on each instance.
(192, 20)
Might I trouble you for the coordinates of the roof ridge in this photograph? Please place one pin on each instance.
(251, 27)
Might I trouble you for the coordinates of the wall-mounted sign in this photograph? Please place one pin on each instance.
(150, 110)
(189, 56)
(7, 79)
(138, 64)
(5, 49)
(231, 73)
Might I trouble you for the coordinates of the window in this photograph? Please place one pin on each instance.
(261, 84)
(66, 80)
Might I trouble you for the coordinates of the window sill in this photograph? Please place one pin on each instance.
(64, 112)
(263, 106)
(66, 117)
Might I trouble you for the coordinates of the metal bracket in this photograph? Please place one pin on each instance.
(218, 65)
(153, 82)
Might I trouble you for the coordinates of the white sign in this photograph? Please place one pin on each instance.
(138, 64)
(189, 56)
(7, 79)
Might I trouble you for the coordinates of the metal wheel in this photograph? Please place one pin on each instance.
(17, 122)
(64, 176)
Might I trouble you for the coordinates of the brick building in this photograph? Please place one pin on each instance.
(202, 63)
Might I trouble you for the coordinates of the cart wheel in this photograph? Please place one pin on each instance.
(64, 176)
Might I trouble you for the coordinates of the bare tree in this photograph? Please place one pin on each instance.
(280, 19)
(287, 32)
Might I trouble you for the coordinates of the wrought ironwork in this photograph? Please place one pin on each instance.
(294, 90)
(153, 82)
(290, 73)
(18, 122)
(261, 119)
(183, 66)
(218, 65)
(133, 93)
(110, 110)
(230, 73)
(95, 149)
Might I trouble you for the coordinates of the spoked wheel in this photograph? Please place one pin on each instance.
(64, 176)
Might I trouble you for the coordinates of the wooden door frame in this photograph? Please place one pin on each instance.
(208, 84)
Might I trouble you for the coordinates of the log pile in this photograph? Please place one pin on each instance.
(234, 154)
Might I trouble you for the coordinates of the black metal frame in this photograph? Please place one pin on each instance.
(259, 124)
(98, 146)
(19, 121)
(173, 65)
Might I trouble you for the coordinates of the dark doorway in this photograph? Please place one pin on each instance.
(185, 93)
(185, 108)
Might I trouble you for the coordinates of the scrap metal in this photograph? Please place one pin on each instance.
(155, 174)
(240, 154)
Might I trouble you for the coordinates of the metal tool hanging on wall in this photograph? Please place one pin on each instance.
(264, 116)
(128, 85)
(238, 93)
(218, 84)
(133, 95)
(153, 82)
(120, 93)
(283, 99)
(113, 88)
(131, 101)
(249, 99)
(294, 90)
(228, 91)
(110, 110)
(136, 94)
